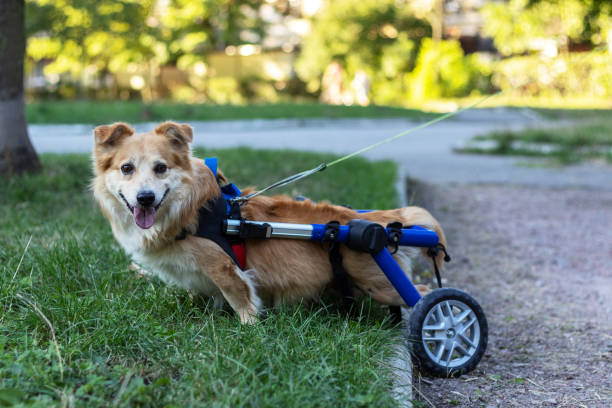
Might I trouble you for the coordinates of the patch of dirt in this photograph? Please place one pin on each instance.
(539, 261)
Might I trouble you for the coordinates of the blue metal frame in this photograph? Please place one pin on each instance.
(416, 236)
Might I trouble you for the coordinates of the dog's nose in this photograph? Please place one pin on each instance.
(146, 198)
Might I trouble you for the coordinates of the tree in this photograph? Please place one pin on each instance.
(101, 38)
(526, 26)
(16, 152)
(94, 38)
(378, 37)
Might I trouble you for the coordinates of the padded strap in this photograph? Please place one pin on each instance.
(341, 281)
(211, 226)
(211, 163)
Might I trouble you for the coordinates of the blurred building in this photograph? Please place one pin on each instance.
(463, 21)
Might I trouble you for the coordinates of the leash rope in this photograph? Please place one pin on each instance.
(281, 183)
(296, 177)
(292, 179)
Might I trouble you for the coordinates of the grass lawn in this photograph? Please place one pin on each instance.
(588, 140)
(125, 341)
(99, 112)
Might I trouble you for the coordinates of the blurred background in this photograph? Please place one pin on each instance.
(433, 55)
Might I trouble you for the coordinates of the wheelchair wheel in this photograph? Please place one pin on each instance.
(448, 332)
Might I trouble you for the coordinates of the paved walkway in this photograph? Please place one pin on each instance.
(426, 155)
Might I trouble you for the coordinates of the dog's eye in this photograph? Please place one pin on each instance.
(127, 168)
(160, 168)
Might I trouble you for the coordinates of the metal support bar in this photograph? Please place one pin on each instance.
(413, 236)
(279, 229)
(419, 236)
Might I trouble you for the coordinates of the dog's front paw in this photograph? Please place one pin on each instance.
(247, 316)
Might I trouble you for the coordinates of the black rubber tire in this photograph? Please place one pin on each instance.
(415, 323)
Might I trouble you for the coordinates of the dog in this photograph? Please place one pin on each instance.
(150, 188)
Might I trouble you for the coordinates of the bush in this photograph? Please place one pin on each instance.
(378, 37)
(396, 60)
(442, 71)
(564, 76)
(224, 90)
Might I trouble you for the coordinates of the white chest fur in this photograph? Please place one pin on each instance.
(171, 264)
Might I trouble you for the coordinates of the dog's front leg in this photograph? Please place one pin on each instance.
(236, 285)
(238, 289)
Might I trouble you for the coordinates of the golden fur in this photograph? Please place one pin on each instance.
(278, 270)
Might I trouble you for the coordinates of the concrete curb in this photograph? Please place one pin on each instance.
(401, 366)
(401, 362)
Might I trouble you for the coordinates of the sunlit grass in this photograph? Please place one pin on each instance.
(99, 112)
(589, 140)
(544, 103)
(130, 341)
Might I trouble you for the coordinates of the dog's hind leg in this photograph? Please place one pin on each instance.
(366, 275)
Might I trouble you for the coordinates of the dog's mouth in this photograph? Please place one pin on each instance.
(144, 217)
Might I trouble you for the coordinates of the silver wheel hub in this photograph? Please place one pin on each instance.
(450, 333)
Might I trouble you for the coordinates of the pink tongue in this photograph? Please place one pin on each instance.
(144, 217)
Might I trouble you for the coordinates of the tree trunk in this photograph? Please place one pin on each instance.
(16, 152)
(437, 20)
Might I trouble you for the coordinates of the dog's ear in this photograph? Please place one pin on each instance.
(179, 134)
(109, 135)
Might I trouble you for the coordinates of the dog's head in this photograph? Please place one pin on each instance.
(145, 171)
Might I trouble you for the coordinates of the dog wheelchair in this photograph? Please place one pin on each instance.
(447, 328)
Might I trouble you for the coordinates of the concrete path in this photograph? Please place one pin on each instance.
(425, 155)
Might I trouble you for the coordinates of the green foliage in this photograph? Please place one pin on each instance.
(90, 39)
(568, 75)
(126, 340)
(385, 40)
(192, 28)
(520, 26)
(224, 90)
(443, 71)
(103, 35)
(379, 37)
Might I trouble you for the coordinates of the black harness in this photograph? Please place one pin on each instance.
(211, 225)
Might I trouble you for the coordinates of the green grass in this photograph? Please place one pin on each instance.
(129, 341)
(574, 114)
(99, 112)
(544, 103)
(588, 140)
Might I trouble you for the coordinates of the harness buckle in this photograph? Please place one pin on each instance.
(253, 230)
(433, 253)
(332, 230)
(395, 235)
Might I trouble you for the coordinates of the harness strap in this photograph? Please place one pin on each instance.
(239, 250)
(433, 253)
(341, 281)
(211, 163)
(211, 219)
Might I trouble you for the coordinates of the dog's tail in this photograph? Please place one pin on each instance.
(420, 216)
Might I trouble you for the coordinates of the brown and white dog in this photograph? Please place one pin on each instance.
(150, 188)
